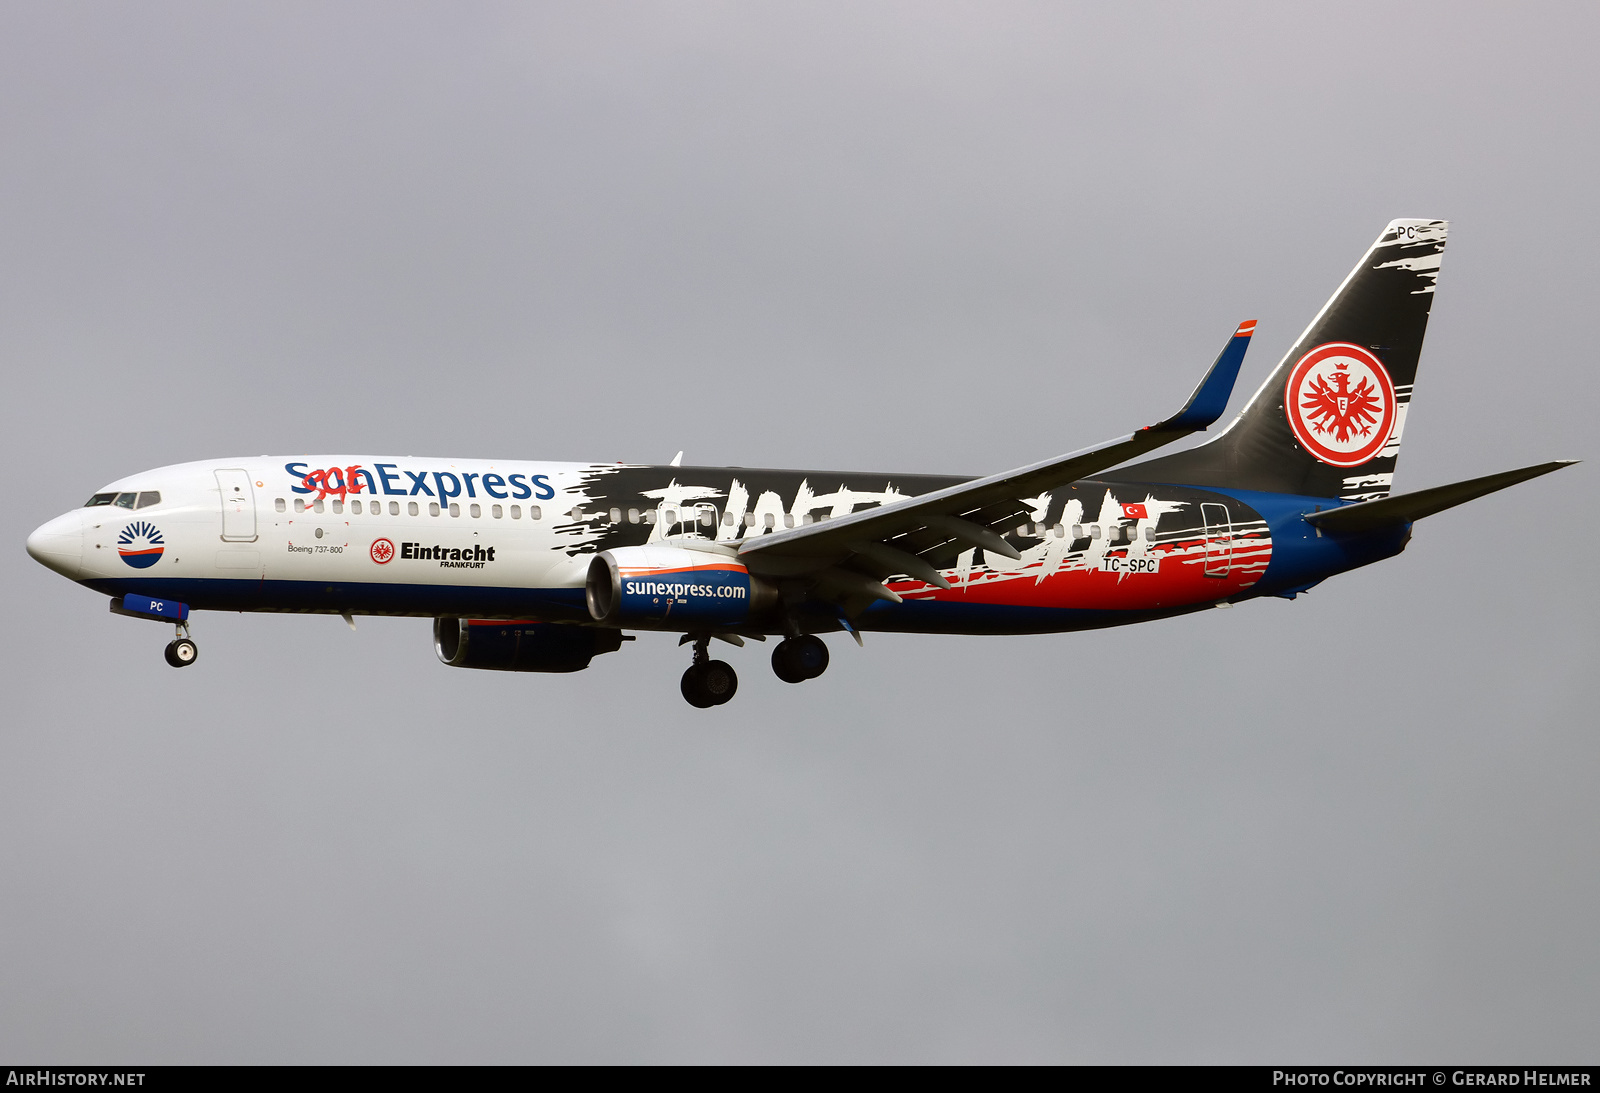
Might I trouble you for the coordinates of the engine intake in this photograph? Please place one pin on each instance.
(674, 588)
(521, 646)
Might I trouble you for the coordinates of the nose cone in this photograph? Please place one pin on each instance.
(59, 544)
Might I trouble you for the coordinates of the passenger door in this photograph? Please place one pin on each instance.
(238, 506)
(1219, 539)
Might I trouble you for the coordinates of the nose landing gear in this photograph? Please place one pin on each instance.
(798, 659)
(181, 650)
(708, 682)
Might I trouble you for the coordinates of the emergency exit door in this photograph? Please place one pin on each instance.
(238, 506)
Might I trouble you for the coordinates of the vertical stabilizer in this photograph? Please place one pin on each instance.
(1328, 421)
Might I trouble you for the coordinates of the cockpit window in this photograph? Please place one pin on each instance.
(148, 498)
(125, 500)
(100, 499)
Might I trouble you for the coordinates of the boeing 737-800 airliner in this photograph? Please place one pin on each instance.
(539, 567)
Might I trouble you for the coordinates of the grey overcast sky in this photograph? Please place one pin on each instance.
(896, 236)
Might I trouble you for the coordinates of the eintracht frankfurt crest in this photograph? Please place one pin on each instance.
(1340, 404)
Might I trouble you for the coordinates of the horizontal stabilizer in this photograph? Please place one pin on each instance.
(1406, 507)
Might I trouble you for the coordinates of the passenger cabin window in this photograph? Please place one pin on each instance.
(496, 511)
(279, 505)
(394, 508)
(149, 497)
(126, 500)
(411, 507)
(433, 508)
(100, 499)
(355, 507)
(1149, 534)
(475, 509)
(338, 506)
(535, 513)
(455, 509)
(299, 504)
(788, 519)
(633, 516)
(318, 505)
(516, 512)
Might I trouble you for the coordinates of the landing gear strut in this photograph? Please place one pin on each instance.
(708, 682)
(181, 650)
(798, 659)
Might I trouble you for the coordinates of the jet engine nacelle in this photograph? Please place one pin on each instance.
(520, 646)
(671, 587)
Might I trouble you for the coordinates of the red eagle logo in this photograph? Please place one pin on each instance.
(1339, 410)
(382, 551)
(1341, 404)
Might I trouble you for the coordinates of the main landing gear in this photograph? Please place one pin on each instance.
(181, 650)
(798, 659)
(708, 682)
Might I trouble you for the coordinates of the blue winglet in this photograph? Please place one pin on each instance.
(1211, 397)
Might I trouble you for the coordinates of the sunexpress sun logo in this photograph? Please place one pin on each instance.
(140, 544)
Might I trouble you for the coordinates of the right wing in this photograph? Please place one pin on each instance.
(849, 557)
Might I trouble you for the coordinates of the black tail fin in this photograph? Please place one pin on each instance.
(1327, 422)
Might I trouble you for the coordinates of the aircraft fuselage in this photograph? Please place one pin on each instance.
(507, 539)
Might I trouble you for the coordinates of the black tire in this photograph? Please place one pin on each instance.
(785, 665)
(694, 688)
(182, 652)
(719, 680)
(811, 655)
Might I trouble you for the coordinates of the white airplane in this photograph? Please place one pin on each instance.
(539, 567)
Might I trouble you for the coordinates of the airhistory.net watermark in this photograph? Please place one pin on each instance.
(51, 1077)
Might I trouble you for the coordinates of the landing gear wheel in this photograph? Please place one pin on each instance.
(181, 652)
(694, 692)
(720, 680)
(709, 683)
(796, 660)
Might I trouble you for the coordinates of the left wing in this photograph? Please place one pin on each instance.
(849, 557)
